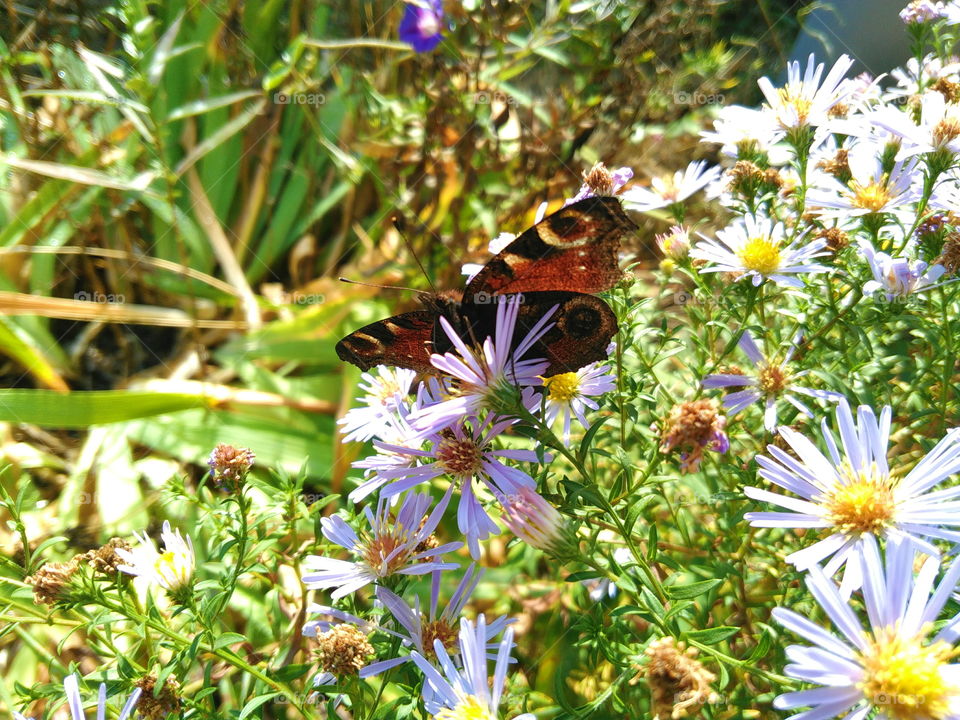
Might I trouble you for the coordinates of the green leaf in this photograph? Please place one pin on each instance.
(83, 409)
(682, 592)
(228, 638)
(255, 703)
(711, 636)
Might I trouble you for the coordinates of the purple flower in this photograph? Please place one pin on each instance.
(484, 374)
(773, 381)
(422, 24)
(463, 452)
(392, 545)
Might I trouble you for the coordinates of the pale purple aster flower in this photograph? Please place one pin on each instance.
(852, 492)
(674, 244)
(533, 519)
(386, 389)
(893, 666)
(464, 453)
(670, 189)
(773, 381)
(806, 101)
(422, 24)
(465, 691)
(420, 628)
(919, 11)
(898, 278)
(393, 544)
(486, 372)
(71, 689)
(570, 394)
(753, 247)
(871, 189)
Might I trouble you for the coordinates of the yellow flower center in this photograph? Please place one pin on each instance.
(905, 679)
(761, 254)
(386, 389)
(863, 502)
(469, 708)
(172, 569)
(790, 96)
(873, 196)
(772, 379)
(563, 387)
(438, 630)
(459, 457)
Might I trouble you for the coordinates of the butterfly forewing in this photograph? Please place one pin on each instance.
(401, 341)
(575, 248)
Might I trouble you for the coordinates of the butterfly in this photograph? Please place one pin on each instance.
(559, 262)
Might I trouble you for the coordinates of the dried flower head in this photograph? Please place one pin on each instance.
(948, 88)
(950, 254)
(694, 427)
(838, 166)
(229, 466)
(679, 683)
(836, 238)
(343, 650)
(599, 180)
(157, 704)
(105, 559)
(50, 581)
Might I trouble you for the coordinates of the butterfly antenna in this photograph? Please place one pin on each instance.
(374, 285)
(400, 225)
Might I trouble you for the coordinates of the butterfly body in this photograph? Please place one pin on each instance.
(557, 262)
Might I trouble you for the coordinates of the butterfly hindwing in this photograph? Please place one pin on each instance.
(583, 326)
(575, 248)
(403, 340)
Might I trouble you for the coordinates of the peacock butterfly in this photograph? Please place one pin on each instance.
(559, 261)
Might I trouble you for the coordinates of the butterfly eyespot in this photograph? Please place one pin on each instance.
(581, 321)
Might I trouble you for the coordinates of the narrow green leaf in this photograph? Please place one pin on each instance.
(82, 409)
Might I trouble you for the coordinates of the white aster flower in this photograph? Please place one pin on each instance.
(571, 394)
(743, 131)
(918, 11)
(805, 101)
(171, 569)
(386, 390)
(853, 492)
(753, 247)
(893, 667)
(898, 278)
(871, 189)
(669, 190)
(772, 381)
(465, 692)
(938, 129)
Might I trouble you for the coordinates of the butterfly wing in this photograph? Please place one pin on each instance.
(575, 248)
(401, 341)
(583, 326)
